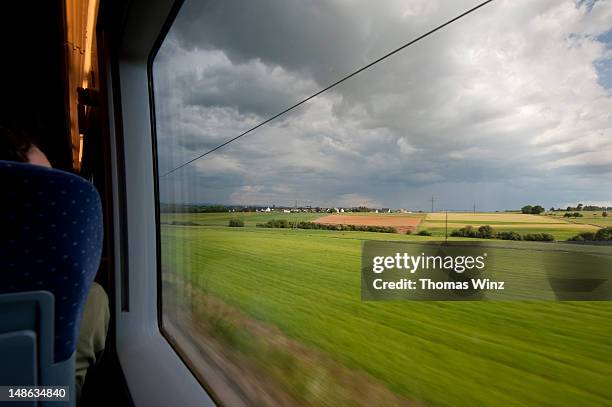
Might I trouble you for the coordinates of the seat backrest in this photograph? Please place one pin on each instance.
(26, 336)
(26, 347)
(51, 240)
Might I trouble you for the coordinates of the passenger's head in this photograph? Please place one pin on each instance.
(17, 146)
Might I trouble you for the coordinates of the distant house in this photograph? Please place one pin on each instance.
(386, 210)
(341, 210)
(268, 210)
(286, 211)
(376, 211)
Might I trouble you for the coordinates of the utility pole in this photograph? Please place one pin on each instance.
(432, 204)
(474, 207)
(446, 231)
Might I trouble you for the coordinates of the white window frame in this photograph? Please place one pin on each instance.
(155, 374)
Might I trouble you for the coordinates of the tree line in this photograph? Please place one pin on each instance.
(602, 235)
(488, 232)
(533, 209)
(285, 224)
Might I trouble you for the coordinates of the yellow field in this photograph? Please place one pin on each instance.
(521, 225)
(560, 228)
(500, 217)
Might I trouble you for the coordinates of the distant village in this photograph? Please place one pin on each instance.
(310, 209)
(203, 208)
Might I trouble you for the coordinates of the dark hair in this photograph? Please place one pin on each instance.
(14, 146)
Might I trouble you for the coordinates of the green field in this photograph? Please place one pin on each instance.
(561, 228)
(306, 284)
(589, 218)
(249, 218)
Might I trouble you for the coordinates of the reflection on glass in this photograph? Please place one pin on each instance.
(498, 119)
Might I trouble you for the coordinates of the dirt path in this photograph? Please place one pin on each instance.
(401, 223)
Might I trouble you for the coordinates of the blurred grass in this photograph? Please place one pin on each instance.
(307, 284)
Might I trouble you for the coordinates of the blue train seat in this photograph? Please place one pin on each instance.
(50, 246)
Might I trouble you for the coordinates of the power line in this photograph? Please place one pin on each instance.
(395, 51)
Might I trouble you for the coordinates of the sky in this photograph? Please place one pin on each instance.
(511, 105)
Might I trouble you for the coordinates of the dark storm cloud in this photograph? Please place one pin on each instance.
(505, 105)
(315, 36)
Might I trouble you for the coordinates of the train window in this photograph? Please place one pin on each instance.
(475, 131)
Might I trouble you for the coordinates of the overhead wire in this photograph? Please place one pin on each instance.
(334, 84)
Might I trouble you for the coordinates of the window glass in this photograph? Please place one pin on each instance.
(496, 119)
